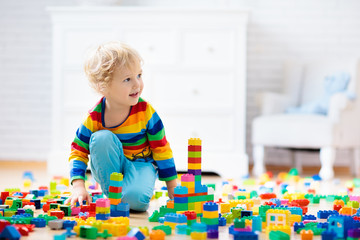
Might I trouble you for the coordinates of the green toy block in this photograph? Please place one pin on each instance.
(278, 235)
(229, 218)
(66, 209)
(309, 195)
(115, 195)
(236, 212)
(253, 194)
(191, 222)
(249, 182)
(353, 204)
(283, 191)
(210, 221)
(164, 210)
(154, 217)
(212, 185)
(240, 197)
(294, 172)
(209, 197)
(17, 203)
(54, 205)
(194, 154)
(315, 199)
(188, 230)
(88, 232)
(345, 198)
(158, 194)
(239, 223)
(29, 211)
(181, 207)
(116, 176)
(197, 178)
(166, 229)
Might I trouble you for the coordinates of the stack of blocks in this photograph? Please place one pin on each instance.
(102, 209)
(211, 215)
(173, 219)
(117, 208)
(191, 195)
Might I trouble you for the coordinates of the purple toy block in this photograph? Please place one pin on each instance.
(354, 233)
(194, 172)
(213, 234)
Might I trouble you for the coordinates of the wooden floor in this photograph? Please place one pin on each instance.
(11, 176)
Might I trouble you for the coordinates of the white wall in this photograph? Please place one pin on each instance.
(278, 30)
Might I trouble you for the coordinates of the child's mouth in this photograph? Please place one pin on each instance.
(134, 94)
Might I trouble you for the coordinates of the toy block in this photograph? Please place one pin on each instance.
(306, 234)
(213, 214)
(116, 176)
(194, 148)
(10, 232)
(194, 160)
(180, 190)
(187, 178)
(114, 183)
(210, 207)
(278, 235)
(195, 166)
(115, 195)
(114, 201)
(88, 232)
(278, 217)
(222, 221)
(157, 235)
(210, 221)
(285, 229)
(135, 232)
(180, 229)
(56, 224)
(224, 207)
(347, 211)
(194, 141)
(102, 202)
(68, 224)
(38, 222)
(194, 171)
(166, 229)
(198, 235)
(170, 204)
(324, 214)
(115, 189)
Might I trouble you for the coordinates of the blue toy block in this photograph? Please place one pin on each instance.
(242, 235)
(296, 211)
(180, 190)
(123, 207)
(210, 206)
(324, 214)
(114, 183)
(340, 225)
(60, 237)
(161, 220)
(212, 227)
(102, 216)
(180, 229)
(328, 235)
(198, 227)
(69, 224)
(222, 221)
(135, 232)
(276, 201)
(323, 225)
(37, 203)
(298, 225)
(246, 213)
(116, 213)
(10, 233)
(38, 222)
(256, 224)
(35, 192)
(175, 218)
(309, 217)
(201, 189)
(181, 199)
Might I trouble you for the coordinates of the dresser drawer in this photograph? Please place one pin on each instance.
(193, 90)
(213, 48)
(157, 47)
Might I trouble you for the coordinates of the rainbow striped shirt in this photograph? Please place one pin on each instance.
(141, 134)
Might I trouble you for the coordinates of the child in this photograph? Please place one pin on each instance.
(122, 133)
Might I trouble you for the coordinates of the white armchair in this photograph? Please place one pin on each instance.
(340, 128)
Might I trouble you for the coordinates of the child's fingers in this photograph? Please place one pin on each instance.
(73, 201)
(89, 198)
(81, 200)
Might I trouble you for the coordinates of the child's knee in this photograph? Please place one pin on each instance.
(137, 200)
(101, 138)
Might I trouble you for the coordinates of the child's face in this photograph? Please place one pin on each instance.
(125, 87)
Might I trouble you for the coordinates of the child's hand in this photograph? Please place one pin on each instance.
(79, 193)
(171, 186)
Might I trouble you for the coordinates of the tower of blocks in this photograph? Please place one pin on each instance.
(191, 195)
(102, 209)
(117, 208)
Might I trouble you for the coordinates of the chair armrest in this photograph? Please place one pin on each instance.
(272, 103)
(338, 103)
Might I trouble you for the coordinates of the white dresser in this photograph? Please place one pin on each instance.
(194, 75)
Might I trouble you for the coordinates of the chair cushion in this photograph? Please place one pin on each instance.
(296, 131)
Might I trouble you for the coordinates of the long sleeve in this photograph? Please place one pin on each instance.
(160, 147)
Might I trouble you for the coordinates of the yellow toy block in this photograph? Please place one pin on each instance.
(255, 211)
(278, 217)
(224, 207)
(198, 207)
(8, 202)
(194, 166)
(116, 229)
(144, 231)
(124, 220)
(213, 214)
(194, 142)
(102, 210)
(240, 193)
(116, 176)
(285, 229)
(77, 230)
(294, 218)
(98, 225)
(188, 184)
(198, 235)
(191, 206)
(248, 223)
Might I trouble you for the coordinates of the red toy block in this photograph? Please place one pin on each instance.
(194, 148)
(194, 160)
(190, 215)
(302, 202)
(46, 207)
(58, 214)
(270, 204)
(4, 195)
(3, 224)
(337, 207)
(267, 195)
(85, 208)
(115, 189)
(29, 227)
(22, 230)
(92, 207)
(43, 188)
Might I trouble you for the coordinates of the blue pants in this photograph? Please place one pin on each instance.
(107, 156)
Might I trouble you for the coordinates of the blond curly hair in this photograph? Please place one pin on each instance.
(102, 60)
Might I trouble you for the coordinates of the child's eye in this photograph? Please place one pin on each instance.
(139, 76)
(127, 80)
